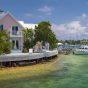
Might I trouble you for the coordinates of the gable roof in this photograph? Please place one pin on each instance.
(21, 23)
(3, 14)
(15, 20)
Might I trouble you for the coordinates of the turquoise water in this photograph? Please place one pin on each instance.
(74, 74)
(71, 72)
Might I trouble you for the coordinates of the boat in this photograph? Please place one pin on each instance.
(82, 50)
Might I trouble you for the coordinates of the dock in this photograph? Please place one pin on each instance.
(26, 57)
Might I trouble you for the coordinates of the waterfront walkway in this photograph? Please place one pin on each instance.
(17, 57)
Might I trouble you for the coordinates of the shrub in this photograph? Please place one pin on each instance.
(25, 50)
(7, 48)
(5, 45)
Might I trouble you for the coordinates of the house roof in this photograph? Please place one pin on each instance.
(3, 14)
(26, 25)
(59, 43)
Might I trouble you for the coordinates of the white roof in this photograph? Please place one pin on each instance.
(60, 43)
(27, 25)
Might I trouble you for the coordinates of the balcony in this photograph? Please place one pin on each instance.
(16, 34)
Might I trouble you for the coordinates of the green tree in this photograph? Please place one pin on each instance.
(28, 38)
(44, 33)
(5, 44)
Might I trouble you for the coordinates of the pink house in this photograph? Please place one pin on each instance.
(14, 28)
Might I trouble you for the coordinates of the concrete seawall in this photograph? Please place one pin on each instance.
(27, 56)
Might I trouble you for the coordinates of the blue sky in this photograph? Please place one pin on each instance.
(58, 12)
(61, 10)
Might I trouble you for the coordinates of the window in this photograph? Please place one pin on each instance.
(1, 27)
(14, 30)
(85, 48)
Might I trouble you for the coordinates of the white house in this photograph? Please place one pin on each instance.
(14, 29)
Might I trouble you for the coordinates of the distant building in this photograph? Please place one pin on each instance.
(14, 29)
(84, 42)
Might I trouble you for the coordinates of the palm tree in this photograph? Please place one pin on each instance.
(28, 38)
(28, 34)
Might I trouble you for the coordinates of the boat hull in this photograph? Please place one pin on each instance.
(80, 52)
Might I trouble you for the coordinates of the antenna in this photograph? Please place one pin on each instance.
(1, 10)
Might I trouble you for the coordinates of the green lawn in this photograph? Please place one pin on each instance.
(68, 71)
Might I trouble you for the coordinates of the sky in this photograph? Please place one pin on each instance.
(69, 18)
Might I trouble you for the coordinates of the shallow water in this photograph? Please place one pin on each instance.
(72, 74)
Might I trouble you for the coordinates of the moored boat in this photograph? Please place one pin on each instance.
(82, 50)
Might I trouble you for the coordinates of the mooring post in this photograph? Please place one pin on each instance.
(1, 64)
(10, 64)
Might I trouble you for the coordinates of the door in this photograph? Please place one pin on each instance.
(13, 44)
(17, 44)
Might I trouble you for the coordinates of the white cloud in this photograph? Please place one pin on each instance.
(74, 29)
(46, 9)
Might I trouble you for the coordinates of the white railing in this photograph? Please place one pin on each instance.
(13, 34)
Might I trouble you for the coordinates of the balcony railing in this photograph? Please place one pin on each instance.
(15, 34)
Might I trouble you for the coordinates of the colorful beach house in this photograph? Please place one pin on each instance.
(14, 29)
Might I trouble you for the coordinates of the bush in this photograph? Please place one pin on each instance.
(7, 48)
(7, 51)
(1, 51)
(25, 50)
(5, 44)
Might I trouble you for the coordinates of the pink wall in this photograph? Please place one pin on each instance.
(8, 21)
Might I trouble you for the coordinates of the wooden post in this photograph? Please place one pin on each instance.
(1, 65)
(10, 64)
